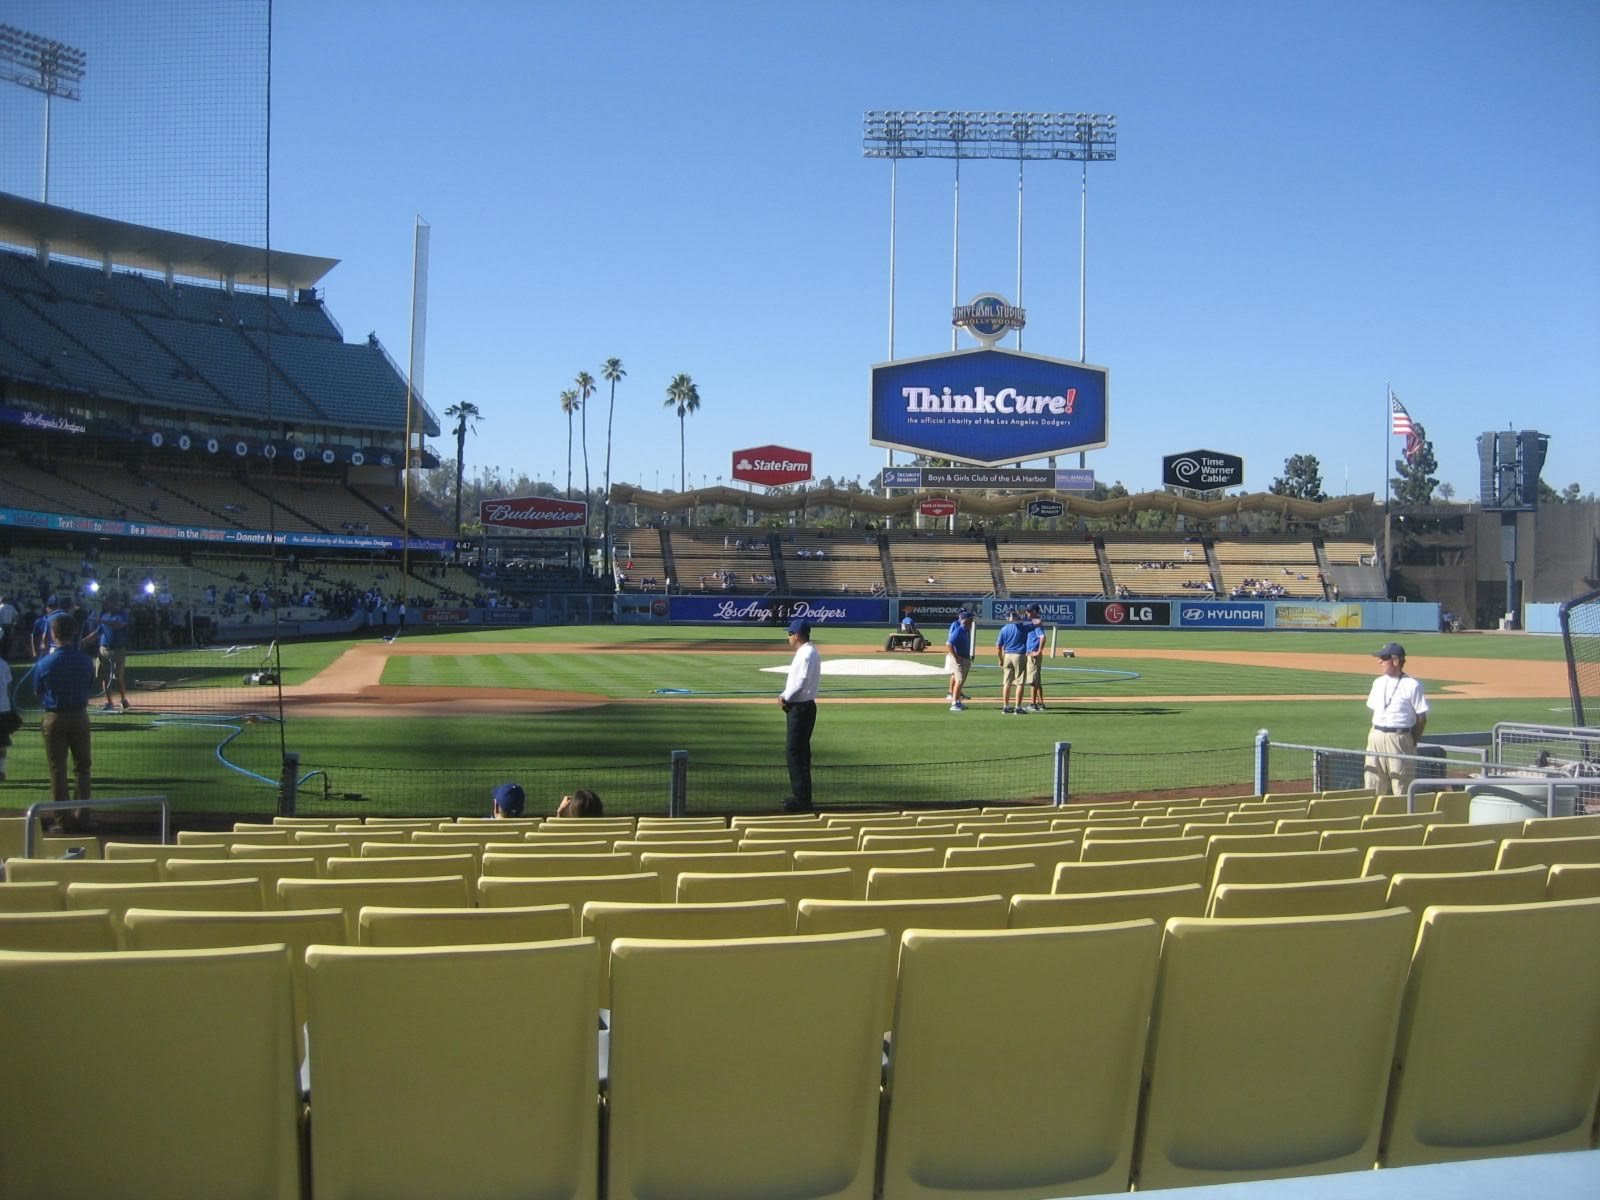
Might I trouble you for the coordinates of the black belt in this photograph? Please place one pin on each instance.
(1393, 728)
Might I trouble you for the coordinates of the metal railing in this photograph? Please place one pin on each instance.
(45, 807)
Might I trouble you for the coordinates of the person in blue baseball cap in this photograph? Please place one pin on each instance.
(510, 800)
(799, 700)
(1399, 714)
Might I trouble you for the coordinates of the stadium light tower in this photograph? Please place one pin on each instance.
(47, 66)
(1053, 137)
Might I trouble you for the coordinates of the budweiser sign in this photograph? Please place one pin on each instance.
(534, 512)
(937, 508)
(771, 465)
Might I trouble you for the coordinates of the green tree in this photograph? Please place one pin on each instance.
(683, 395)
(1415, 480)
(1301, 478)
(466, 416)
(569, 405)
(585, 388)
(611, 370)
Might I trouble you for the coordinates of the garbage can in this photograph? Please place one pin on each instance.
(1495, 802)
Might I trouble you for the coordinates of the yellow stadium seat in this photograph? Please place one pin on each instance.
(926, 883)
(1292, 866)
(1100, 908)
(1586, 825)
(496, 891)
(1366, 839)
(189, 1094)
(745, 1068)
(161, 851)
(79, 931)
(402, 927)
(1458, 1093)
(1525, 851)
(1307, 898)
(669, 866)
(265, 871)
(475, 1104)
(978, 1107)
(1101, 850)
(789, 886)
(1128, 875)
(861, 862)
(1270, 1047)
(32, 897)
(605, 921)
(1573, 881)
(1417, 860)
(82, 870)
(404, 867)
(351, 895)
(239, 895)
(1518, 885)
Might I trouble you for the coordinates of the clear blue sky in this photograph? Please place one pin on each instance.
(1311, 201)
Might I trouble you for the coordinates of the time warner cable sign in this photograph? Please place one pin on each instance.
(988, 406)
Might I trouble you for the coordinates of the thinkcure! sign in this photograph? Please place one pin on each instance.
(534, 512)
(771, 466)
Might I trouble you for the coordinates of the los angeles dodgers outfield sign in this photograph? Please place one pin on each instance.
(988, 407)
(534, 512)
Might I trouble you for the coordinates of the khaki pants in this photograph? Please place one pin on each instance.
(1387, 775)
(64, 733)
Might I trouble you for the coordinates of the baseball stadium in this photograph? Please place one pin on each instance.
(312, 916)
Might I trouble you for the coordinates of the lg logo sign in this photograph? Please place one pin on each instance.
(1117, 612)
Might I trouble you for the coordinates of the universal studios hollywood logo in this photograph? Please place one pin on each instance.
(988, 317)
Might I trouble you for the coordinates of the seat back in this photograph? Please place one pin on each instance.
(927, 883)
(1129, 875)
(160, 851)
(1040, 860)
(1548, 851)
(166, 929)
(1416, 860)
(745, 1068)
(497, 1105)
(520, 864)
(349, 896)
(789, 886)
(944, 1066)
(82, 870)
(1516, 885)
(32, 897)
(1573, 881)
(1365, 839)
(1293, 866)
(1138, 849)
(1584, 825)
(201, 895)
(861, 862)
(1309, 898)
(265, 871)
(80, 931)
(230, 837)
(895, 917)
(402, 927)
(1454, 835)
(605, 921)
(669, 866)
(201, 1103)
(1270, 1047)
(297, 852)
(1219, 844)
(498, 891)
(1099, 908)
(375, 867)
(1459, 1094)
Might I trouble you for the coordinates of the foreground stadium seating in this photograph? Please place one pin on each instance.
(88, 929)
(745, 1069)
(482, 1102)
(1030, 1104)
(200, 1105)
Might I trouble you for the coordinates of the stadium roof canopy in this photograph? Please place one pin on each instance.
(31, 224)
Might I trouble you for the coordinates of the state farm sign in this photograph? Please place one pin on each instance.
(937, 508)
(534, 512)
(771, 465)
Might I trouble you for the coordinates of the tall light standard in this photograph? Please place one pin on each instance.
(47, 66)
(1053, 137)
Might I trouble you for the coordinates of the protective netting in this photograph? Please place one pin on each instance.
(1580, 631)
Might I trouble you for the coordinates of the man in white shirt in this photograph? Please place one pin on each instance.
(799, 700)
(1399, 714)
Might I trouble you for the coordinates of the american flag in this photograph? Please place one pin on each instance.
(1399, 418)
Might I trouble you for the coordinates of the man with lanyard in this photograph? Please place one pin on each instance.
(958, 657)
(41, 627)
(1399, 713)
(799, 700)
(64, 681)
(1011, 645)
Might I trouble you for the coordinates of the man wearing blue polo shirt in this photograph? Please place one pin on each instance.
(958, 657)
(1012, 645)
(64, 681)
(114, 645)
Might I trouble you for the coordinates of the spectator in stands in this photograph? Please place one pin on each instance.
(64, 682)
(509, 800)
(582, 803)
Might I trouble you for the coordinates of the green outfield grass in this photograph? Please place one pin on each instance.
(1147, 735)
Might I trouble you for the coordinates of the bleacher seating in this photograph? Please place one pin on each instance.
(723, 560)
(832, 563)
(1034, 565)
(1158, 567)
(1286, 565)
(941, 564)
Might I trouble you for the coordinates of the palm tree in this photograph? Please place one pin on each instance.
(465, 413)
(585, 387)
(685, 397)
(569, 405)
(611, 371)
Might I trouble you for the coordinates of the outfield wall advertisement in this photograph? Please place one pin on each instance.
(772, 610)
(988, 407)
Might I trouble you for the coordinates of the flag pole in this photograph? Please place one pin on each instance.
(1388, 487)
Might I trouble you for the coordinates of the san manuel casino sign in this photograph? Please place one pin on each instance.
(987, 407)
